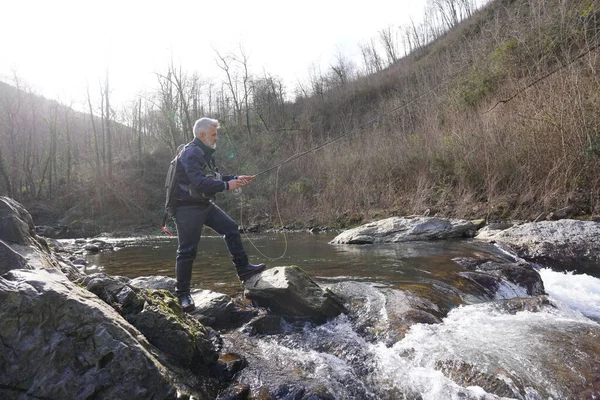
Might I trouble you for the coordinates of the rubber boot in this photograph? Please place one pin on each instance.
(185, 298)
(244, 269)
(182, 290)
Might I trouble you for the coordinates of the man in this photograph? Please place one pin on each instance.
(198, 182)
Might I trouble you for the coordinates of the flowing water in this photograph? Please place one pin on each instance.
(549, 354)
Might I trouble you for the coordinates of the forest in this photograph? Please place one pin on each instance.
(478, 111)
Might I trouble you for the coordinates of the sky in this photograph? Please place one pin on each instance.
(60, 47)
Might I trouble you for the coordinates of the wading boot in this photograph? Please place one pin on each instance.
(185, 298)
(245, 270)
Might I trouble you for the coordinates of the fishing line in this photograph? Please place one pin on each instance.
(322, 145)
(375, 119)
(280, 221)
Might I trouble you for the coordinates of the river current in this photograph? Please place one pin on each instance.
(534, 355)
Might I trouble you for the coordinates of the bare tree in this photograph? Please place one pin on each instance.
(388, 39)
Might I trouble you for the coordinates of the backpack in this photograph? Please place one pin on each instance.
(170, 186)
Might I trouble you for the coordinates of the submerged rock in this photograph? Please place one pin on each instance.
(382, 313)
(290, 291)
(406, 229)
(503, 279)
(563, 245)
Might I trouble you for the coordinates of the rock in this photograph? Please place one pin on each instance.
(230, 364)
(240, 391)
(568, 351)
(405, 229)
(80, 261)
(530, 304)
(46, 231)
(563, 245)
(159, 317)
(384, 314)
(290, 291)
(468, 375)
(154, 282)
(16, 225)
(92, 248)
(505, 279)
(267, 324)
(58, 341)
(212, 307)
(10, 259)
(171, 330)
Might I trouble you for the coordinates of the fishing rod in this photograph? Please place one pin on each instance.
(375, 119)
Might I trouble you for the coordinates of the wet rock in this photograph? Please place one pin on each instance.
(240, 391)
(530, 304)
(230, 364)
(79, 261)
(216, 309)
(384, 314)
(290, 291)
(159, 317)
(505, 279)
(46, 231)
(468, 375)
(568, 356)
(92, 248)
(267, 324)
(562, 245)
(168, 328)
(59, 341)
(405, 229)
(154, 282)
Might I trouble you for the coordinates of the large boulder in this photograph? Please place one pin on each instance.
(157, 314)
(20, 248)
(290, 291)
(16, 225)
(59, 341)
(406, 229)
(564, 245)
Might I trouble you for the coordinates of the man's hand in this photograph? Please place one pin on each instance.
(246, 178)
(235, 184)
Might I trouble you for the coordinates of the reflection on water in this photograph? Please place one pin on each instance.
(398, 265)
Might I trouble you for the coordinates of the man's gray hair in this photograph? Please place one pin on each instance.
(202, 125)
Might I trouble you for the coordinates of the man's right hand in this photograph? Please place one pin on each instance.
(235, 184)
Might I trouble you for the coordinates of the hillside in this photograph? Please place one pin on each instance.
(453, 149)
(497, 118)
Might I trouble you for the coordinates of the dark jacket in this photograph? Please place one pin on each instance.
(196, 169)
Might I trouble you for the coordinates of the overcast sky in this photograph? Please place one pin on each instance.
(58, 46)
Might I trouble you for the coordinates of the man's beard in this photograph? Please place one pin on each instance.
(213, 146)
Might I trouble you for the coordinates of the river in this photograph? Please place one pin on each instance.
(552, 353)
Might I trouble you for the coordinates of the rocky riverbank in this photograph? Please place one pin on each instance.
(70, 335)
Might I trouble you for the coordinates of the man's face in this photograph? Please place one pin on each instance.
(210, 137)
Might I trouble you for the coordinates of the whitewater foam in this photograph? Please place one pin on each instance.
(579, 291)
